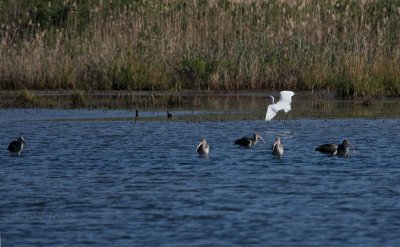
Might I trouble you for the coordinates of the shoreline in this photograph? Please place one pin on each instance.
(223, 105)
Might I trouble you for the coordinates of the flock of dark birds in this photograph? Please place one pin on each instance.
(285, 99)
(15, 147)
(341, 150)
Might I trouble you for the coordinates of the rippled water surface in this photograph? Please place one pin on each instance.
(121, 183)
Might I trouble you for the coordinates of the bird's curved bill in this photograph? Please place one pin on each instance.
(352, 148)
(197, 148)
(262, 139)
(26, 144)
(275, 143)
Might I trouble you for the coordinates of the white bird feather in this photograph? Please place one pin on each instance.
(283, 104)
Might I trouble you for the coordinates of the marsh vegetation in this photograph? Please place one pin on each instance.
(351, 48)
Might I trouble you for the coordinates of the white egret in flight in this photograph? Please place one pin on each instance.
(283, 104)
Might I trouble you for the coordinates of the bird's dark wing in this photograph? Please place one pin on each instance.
(244, 141)
(327, 148)
(12, 146)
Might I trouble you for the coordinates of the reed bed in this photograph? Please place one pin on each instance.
(342, 45)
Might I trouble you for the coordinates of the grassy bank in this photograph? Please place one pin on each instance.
(352, 48)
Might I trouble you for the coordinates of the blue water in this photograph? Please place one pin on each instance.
(120, 183)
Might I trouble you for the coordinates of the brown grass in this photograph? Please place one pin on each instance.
(353, 48)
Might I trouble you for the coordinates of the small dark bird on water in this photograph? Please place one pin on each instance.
(277, 148)
(15, 147)
(334, 149)
(248, 141)
(203, 148)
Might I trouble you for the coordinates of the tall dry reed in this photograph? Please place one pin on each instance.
(351, 47)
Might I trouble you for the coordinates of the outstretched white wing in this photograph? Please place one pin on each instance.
(283, 104)
(285, 100)
(271, 112)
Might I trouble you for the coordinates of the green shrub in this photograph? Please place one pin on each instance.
(78, 99)
(196, 72)
(26, 99)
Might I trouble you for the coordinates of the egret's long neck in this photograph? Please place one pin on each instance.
(272, 99)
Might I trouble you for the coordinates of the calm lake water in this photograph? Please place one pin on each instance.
(125, 183)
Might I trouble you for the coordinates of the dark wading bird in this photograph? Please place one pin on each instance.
(15, 147)
(248, 141)
(283, 104)
(203, 148)
(277, 148)
(334, 149)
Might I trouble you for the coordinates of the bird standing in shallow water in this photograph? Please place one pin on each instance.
(334, 149)
(203, 148)
(248, 141)
(277, 148)
(15, 147)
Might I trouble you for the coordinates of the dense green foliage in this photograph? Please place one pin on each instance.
(352, 47)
